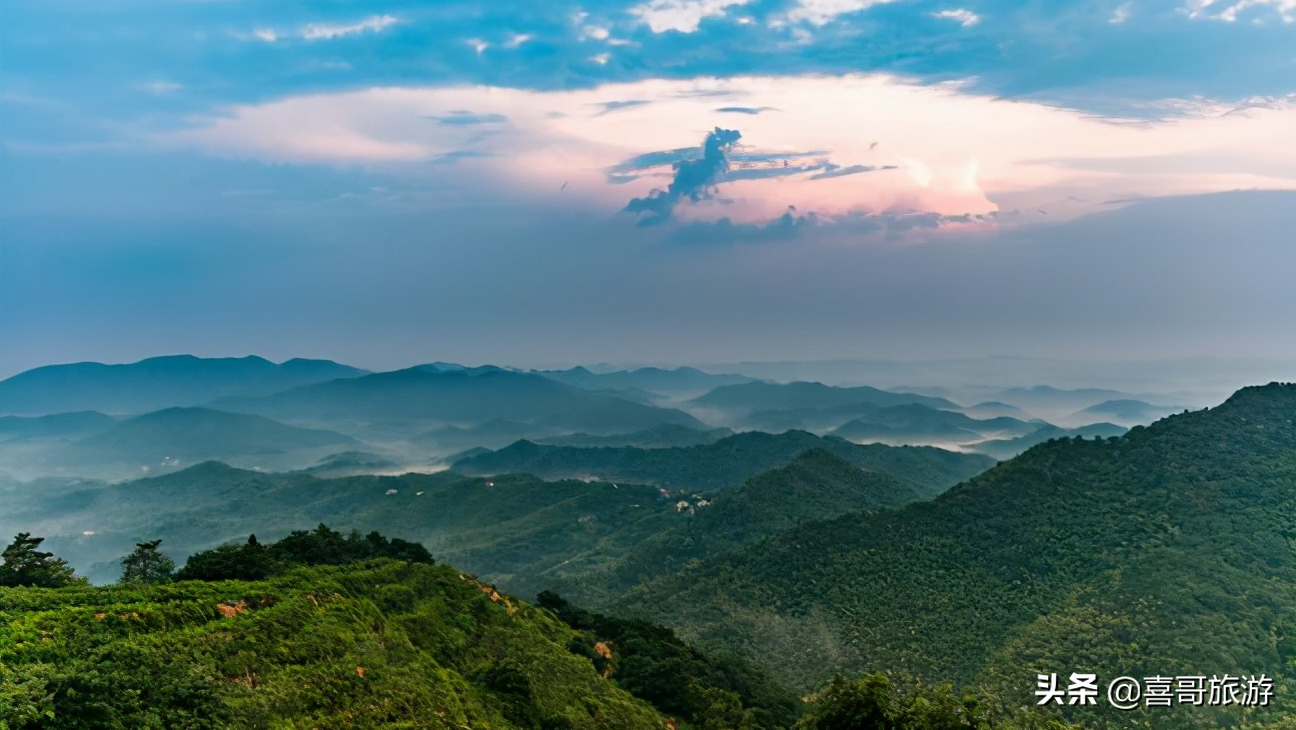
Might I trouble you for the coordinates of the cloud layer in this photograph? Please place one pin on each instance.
(935, 149)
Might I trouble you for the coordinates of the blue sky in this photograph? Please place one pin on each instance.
(389, 183)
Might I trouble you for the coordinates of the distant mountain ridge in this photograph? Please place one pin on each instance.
(460, 396)
(675, 382)
(156, 383)
(199, 434)
(724, 463)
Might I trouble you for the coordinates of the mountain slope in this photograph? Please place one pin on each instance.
(725, 463)
(155, 383)
(376, 645)
(1008, 448)
(197, 434)
(814, 486)
(1165, 551)
(54, 426)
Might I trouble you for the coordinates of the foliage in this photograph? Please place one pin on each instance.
(25, 565)
(874, 702)
(1165, 551)
(321, 546)
(377, 645)
(146, 565)
(654, 664)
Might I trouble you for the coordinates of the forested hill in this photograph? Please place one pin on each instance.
(379, 645)
(1165, 551)
(727, 462)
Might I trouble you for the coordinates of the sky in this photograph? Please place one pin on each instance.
(670, 181)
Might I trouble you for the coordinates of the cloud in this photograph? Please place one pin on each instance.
(745, 109)
(1285, 9)
(949, 150)
(611, 106)
(265, 34)
(694, 178)
(831, 171)
(518, 39)
(1121, 14)
(680, 15)
(326, 31)
(822, 12)
(460, 117)
(965, 18)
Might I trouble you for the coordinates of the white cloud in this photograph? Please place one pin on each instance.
(478, 45)
(956, 152)
(601, 58)
(1121, 14)
(821, 12)
(1229, 11)
(518, 39)
(681, 15)
(965, 18)
(325, 31)
(265, 34)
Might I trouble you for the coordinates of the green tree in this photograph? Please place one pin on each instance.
(146, 565)
(25, 565)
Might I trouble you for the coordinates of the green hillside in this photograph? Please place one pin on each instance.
(1165, 551)
(814, 486)
(726, 462)
(382, 644)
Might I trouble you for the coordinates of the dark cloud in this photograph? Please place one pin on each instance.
(695, 179)
(467, 118)
(655, 159)
(745, 109)
(611, 106)
(831, 170)
(793, 225)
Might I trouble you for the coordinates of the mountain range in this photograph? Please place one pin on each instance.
(156, 383)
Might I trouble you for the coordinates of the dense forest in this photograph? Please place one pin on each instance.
(1165, 551)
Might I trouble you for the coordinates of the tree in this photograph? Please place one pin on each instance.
(146, 565)
(249, 561)
(24, 565)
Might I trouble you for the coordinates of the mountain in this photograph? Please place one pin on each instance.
(1055, 403)
(652, 438)
(725, 463)
(463, 398)
(1163, 552)
(1125, 411)
(156, 383)
(995, 409)
(814, 486)
(679, 382)
(62, 426)
(199, 434)
(918, 424)
(748, 398)
(1007, 448)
